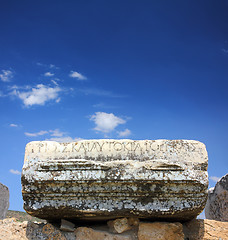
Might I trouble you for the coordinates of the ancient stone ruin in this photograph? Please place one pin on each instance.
(4, 200)
(217, 203)
(108, 179)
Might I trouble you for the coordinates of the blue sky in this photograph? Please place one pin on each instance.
(74, 70)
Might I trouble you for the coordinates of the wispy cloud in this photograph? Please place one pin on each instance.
(103, 105)
(63, 139)
(49, 74)
(124, 133)
(40, 133)
(225, 50)
(106, 122)
(6, 75)
(214, 178)
(38, 95)
(56, 133)
(77, 75)
(51, 66)
(99, 92)
(13, 125)
(53, 135)
(16, 172)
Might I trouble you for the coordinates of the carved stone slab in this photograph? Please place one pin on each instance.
(105, 179)
(4, 200)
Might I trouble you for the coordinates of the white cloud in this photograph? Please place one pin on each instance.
(49, 74)
(106, 122)
(214, 178)
(13, 125)
(38, 95)
(6, 75)
(40, 133)
(64, 139)
(124, 133)
(77, 75)
(16, 172)
(225, 50)
(56, 133)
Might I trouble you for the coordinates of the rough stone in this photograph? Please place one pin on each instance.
(67, 226)
(160, 231)
(108, 179)
(4, 200)
(121, 225)
(84, 233)
(217, 204)
(204, 229)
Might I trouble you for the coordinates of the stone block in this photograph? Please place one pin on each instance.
(108, 179)
(4, 200)
(217, 204)
(160, 231)
(121, 225)
(85, 233)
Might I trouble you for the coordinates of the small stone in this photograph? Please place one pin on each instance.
(217, 203)
(84, 233)
(66, 226)
(121, 225)
(4, 200)
(48, 229)
(160, 231)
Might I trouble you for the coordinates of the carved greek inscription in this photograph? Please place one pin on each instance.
(149, 147)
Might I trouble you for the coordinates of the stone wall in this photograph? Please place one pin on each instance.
(11, 229)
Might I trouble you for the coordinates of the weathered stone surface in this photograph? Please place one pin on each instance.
(217, 203)
(67, 226)
(84, 233)
(121, 225)
(4, 200)
(107, 179)
(11, 229)
(204, 229)
(160, 231)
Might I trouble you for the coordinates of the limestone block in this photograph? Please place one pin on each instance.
(121, 225)
(108, 179)
(160, 231)
(4, 200)
(85, 233)
(217, 203)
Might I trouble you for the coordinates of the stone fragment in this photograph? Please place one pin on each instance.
(108, 179)
(217, 204)
(66, 226)
(4, 200)
(121, 225)
(160, 231)
(204, 229)
(84, 233)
